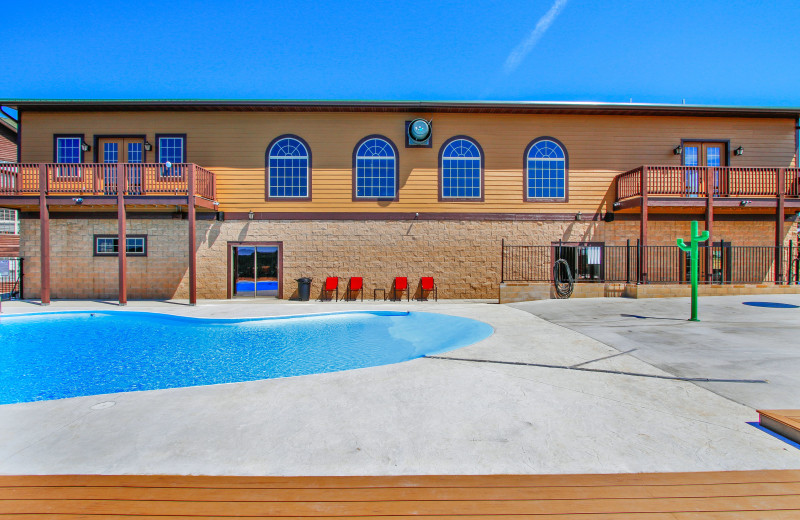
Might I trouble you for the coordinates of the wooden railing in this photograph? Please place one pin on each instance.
(698, 181)
(629, 184)
(152, 179)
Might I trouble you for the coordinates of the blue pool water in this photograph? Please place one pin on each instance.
(68, 354)
(244, 286)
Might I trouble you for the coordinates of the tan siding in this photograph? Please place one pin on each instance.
(233, 145)
(8, 150)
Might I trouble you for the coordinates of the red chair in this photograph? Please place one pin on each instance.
(400, 285)
(355, 284)
(427, 284)
(331, 284)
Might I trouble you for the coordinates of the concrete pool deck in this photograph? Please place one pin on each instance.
(426, 416)
(733, 340)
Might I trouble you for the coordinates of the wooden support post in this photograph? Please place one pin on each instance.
(122, 240)
(643, 229)
(192, 231)
(781, 184)
(709, 223)
(44, 223)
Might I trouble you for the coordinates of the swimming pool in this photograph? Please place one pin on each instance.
(68, 354)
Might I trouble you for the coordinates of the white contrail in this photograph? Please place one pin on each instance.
(525, 46)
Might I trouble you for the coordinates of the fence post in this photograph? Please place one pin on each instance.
(638, 261)
(628, 261)
(502, 260)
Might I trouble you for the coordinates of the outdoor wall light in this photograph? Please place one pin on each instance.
(147, 145)
(578, 216)
(744, 203)
(739, 151)
(85, 147)
(250, 215)
(677, 150)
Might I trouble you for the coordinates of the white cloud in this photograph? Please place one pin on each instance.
(524, 47)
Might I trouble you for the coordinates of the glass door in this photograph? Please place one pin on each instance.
(255, 271)
(711, 154)
(266, 271)
(121, 150)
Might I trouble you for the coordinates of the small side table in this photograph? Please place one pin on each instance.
(375, 293)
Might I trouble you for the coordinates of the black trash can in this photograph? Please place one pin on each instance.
(303, 288)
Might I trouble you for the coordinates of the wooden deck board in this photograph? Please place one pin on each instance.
(724, 515)
(686, 496)
(396, 493)
(482, 481)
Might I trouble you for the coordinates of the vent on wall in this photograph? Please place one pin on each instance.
(419, 133)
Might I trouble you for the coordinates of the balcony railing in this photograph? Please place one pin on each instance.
(150, 179)
(698, 181)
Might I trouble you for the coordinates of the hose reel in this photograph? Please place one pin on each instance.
(562, 279)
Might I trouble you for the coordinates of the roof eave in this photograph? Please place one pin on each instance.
(406, 106)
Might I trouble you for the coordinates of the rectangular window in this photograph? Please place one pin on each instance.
(68, 150)
(171, 149)
(8, 222)
(135, 152)
(110, 152)
(108, 245)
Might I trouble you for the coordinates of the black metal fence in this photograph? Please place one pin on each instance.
(10, 278)
(720, 263)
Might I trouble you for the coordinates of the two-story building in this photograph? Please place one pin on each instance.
(215, 199)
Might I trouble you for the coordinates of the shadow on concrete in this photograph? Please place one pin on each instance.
(649, 317)
(776, 435)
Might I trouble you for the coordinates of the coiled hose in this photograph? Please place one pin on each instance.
(562, 279)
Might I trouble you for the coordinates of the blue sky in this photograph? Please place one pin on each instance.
(734, 52)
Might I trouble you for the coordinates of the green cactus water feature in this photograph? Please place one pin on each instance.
(693, 258)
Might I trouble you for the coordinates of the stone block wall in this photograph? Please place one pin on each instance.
(464, 257)
(665, 232)
(76, 273)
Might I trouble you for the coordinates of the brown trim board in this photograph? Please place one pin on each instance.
(107, 215)
(410, 216)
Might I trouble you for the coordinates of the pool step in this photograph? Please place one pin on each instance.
(784, 422)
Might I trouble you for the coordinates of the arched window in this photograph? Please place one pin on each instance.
(375, 169)
(461, 164)
(546, 170)
(288, 164)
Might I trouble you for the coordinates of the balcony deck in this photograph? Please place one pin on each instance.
(687, 186)
(23, 184)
